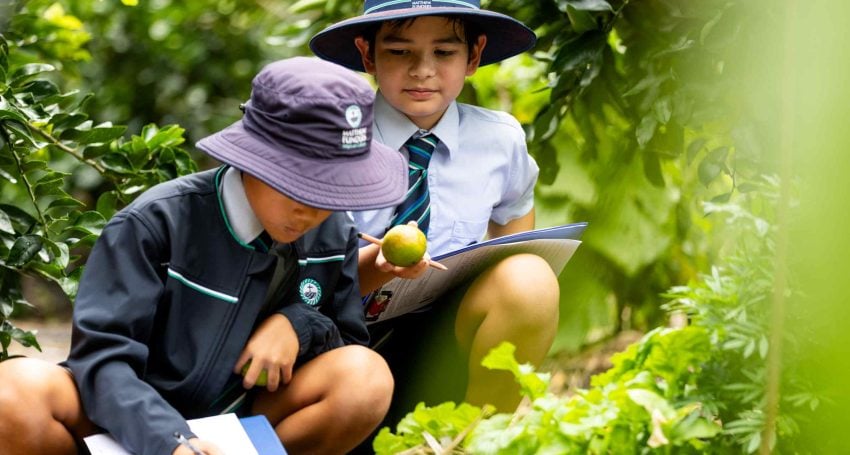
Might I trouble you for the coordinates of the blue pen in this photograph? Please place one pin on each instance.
(185, 443)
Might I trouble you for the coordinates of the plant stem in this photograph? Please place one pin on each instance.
(777, 318)
(30, 191)
(67, 149)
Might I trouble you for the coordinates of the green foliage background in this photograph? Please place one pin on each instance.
(641, 113)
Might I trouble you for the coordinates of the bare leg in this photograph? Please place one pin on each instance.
(332, 403)
(41, 409)
(517, 301)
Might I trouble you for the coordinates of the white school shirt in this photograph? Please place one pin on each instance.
(242, 219)
(480, 171)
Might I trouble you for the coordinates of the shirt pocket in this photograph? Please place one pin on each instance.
(467, 232)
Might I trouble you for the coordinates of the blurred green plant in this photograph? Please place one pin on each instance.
(695, 389)
(639, 112)
(48, 144)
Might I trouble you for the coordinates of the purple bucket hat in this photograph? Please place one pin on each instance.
(307, 132)
(506, 36)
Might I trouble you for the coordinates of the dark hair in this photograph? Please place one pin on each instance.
(467, 31)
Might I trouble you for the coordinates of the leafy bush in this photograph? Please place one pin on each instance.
(48, 147)
(695, 389)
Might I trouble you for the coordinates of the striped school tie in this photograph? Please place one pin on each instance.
(417, 202)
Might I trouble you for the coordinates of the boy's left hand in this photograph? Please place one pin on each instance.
(412, 272)
(273, 347)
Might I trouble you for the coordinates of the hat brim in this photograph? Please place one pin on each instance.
(373, 180)
(506, 36)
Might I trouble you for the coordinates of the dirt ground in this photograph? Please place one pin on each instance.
(54, 337)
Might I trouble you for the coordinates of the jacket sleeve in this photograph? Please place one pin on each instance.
(341, 324)
(112, 325)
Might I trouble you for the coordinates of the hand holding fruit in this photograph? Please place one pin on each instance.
(262, 378)
(269, 356)
(402, 252)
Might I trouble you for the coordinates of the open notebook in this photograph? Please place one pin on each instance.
(248, 436)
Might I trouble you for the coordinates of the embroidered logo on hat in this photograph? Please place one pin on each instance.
(310, 291)
(354, 115)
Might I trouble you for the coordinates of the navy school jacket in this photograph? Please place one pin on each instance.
(169, 298)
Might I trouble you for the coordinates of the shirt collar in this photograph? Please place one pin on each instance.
(244, 223)
(394, 129)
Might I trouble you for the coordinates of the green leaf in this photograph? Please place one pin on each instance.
(662, 110)
(33, 165)
(695, 427)
(652, 169)
(590, 5)
(49, 187)
(645, 130)
(25, 338)
(64, 121)
(6, 114)
(24, 250)
(21, 220)
(107, 204)
(6, 223)
(117, 163)
(40, 88)
(95, 135)
(695, 147)
(27, 71)
(501, 357)
(63, 203)
(302, 6)
(581, 20)
(90, 221)
(712, 165)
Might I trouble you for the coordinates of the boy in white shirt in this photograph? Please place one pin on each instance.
(480, 182)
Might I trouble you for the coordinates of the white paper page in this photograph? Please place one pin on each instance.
(103, 444)
(225, 431)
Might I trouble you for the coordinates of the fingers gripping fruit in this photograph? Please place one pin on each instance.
(262, 378)
(404, 245)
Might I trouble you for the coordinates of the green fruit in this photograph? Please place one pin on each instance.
(263, 377)
(404, 245)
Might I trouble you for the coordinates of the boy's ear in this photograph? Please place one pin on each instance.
(363, 46)
(475, 55)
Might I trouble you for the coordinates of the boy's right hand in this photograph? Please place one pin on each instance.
(272, 347)
(206, 447)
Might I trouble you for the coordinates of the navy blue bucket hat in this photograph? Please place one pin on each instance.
(506, 36)
(307, 132)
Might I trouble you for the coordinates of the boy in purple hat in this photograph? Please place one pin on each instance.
(471, 177)
(181, 278)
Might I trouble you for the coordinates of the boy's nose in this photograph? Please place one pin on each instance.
(422, 66)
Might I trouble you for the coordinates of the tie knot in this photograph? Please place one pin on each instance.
(420, 148)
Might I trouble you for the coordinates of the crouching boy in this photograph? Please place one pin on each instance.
(181, 278)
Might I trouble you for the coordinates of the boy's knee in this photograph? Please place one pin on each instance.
(524, 283)
(366, 370)
(23, 379)
(365, 384)
(25, 391)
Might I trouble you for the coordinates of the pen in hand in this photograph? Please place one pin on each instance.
(379, 242)
(185, 443)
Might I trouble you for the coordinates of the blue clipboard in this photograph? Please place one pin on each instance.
(262, 435)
